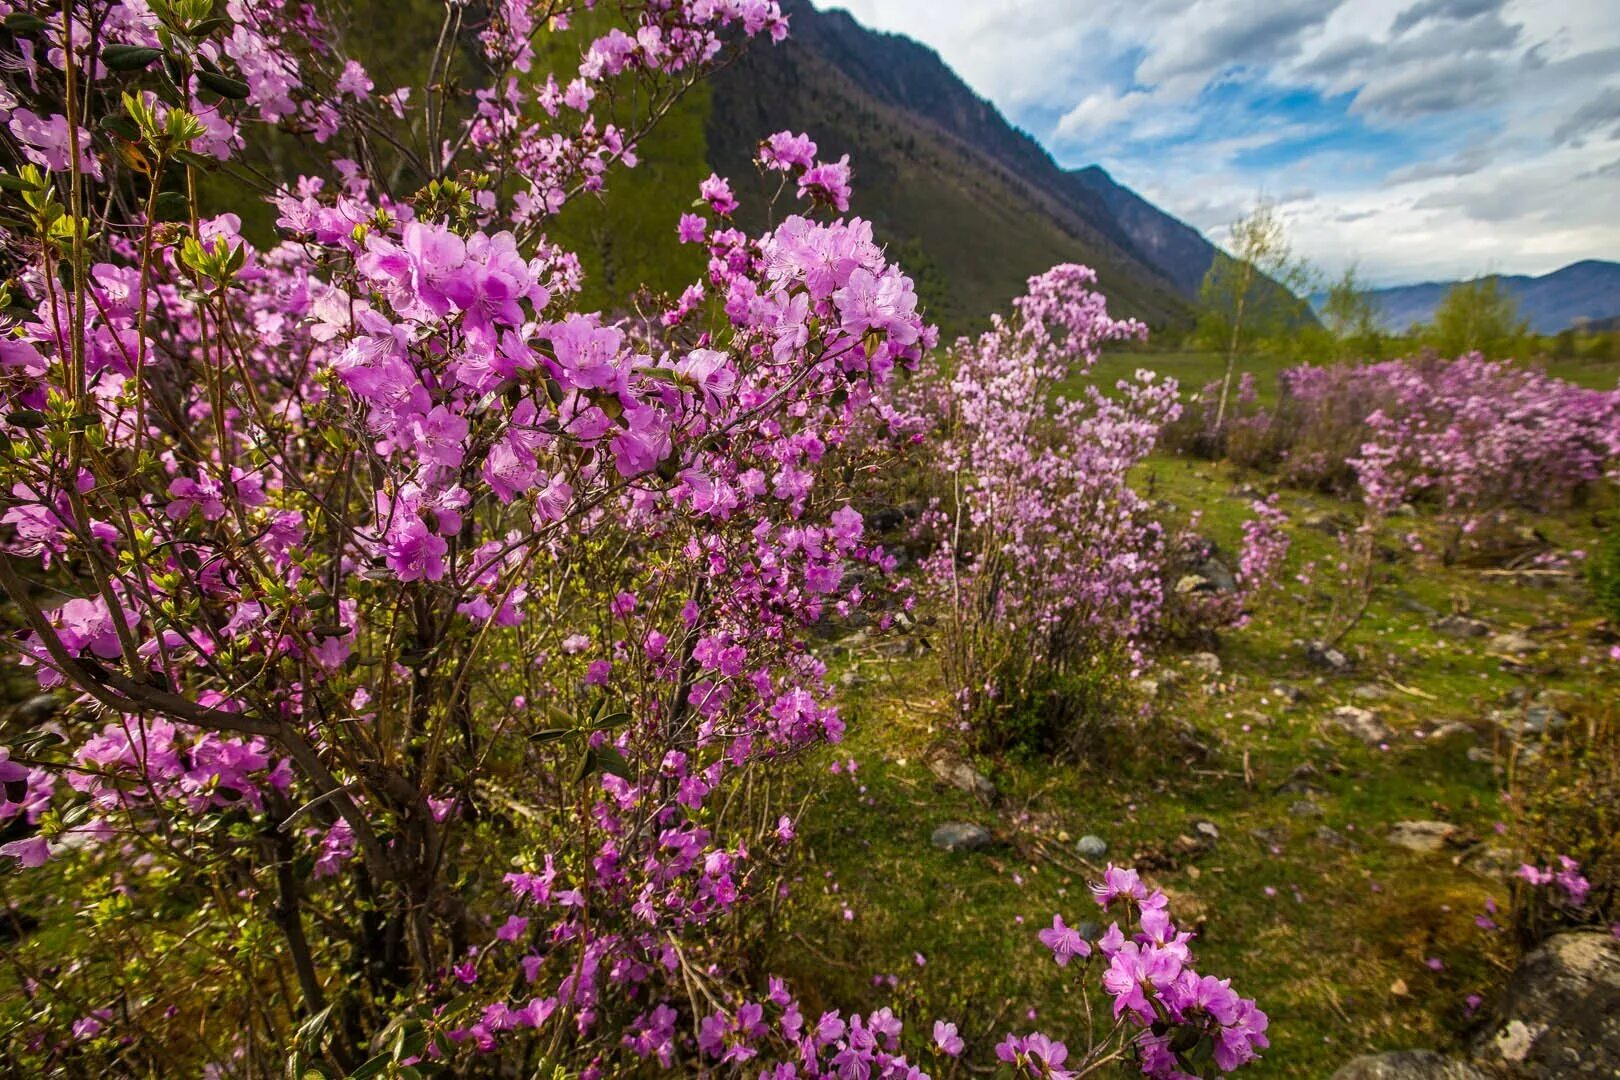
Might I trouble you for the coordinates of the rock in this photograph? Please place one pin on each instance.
(1192, 583)
(1293, 695)
(1496, 863)
(1539, 719)
(1369, 692)
(1421, 836)
(1559, 1020)
(1481, 755)
(852, 680)
(960, 836)
(1514, 644)
(1411, 603)
(1327, 657)
(1462, 626)
(1364, 724)
(1092, 847)
(1560, 1016)
(1407, 1065)
(961, 775)
(1332, 837)
(1450, 729)
(1305, 808)
(1300, 787)
(1331, 524)
(1148, 688)
(1205, 663)
(1217, 574)
(1533, 720)
(1207, 830)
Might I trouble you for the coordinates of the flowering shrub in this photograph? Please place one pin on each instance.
(1472, 436)
(433, 646)
(1049, 568)
(1043, 556)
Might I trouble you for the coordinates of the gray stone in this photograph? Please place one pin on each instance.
(1450, 729)
(1207, 830)
(1192, 583)
(1421, 836)
(1462, 626)
(1560, 1016)
(1481, 755)
(1364, 724)
(961, 775)
(1327, 657)
(1369, 692)
(1091, 846)
(960, 836)
(1496, 863)
(1305, 808)
(1407, 1065)
(1217, 574)
(1293, 695)
(1206, 663)
(1514, 644)
(1543, 718)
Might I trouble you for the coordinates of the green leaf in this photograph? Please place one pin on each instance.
(611, 761)
(223, 85)
(122, 126)
(311, 1029)
(29, 419)
(129, 57)
(20, 22)
(411, 1043)
(373, 1067)
(612, 720)
(15, 183)
(585, 766)
(550, 735)
(207, 27)
(195, 160)
(172, 206)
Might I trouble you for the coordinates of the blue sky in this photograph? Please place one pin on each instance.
(1416, 139)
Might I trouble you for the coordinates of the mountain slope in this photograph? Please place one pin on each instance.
(1584, 290)
(970, 204)
(1170, 245)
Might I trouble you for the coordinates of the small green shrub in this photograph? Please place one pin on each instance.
(1604, 572)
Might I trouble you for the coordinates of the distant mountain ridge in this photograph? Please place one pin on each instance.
(1588, 290)
(971, 204)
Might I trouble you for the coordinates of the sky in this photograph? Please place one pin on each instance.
(1413, 139)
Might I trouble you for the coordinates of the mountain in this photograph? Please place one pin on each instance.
(1173, 247)
(970, 204)
(1587, 290)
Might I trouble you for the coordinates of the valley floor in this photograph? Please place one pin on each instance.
(1267, 820)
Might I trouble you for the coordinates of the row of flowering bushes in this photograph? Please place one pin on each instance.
(1473, 437)
(435, 649)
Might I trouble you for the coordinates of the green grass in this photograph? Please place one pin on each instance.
(1338, 954)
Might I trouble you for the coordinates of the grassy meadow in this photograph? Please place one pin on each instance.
(1351, 943)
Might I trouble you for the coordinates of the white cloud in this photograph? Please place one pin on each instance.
(1438, 137)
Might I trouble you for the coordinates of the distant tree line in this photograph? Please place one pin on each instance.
(1254, 301)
